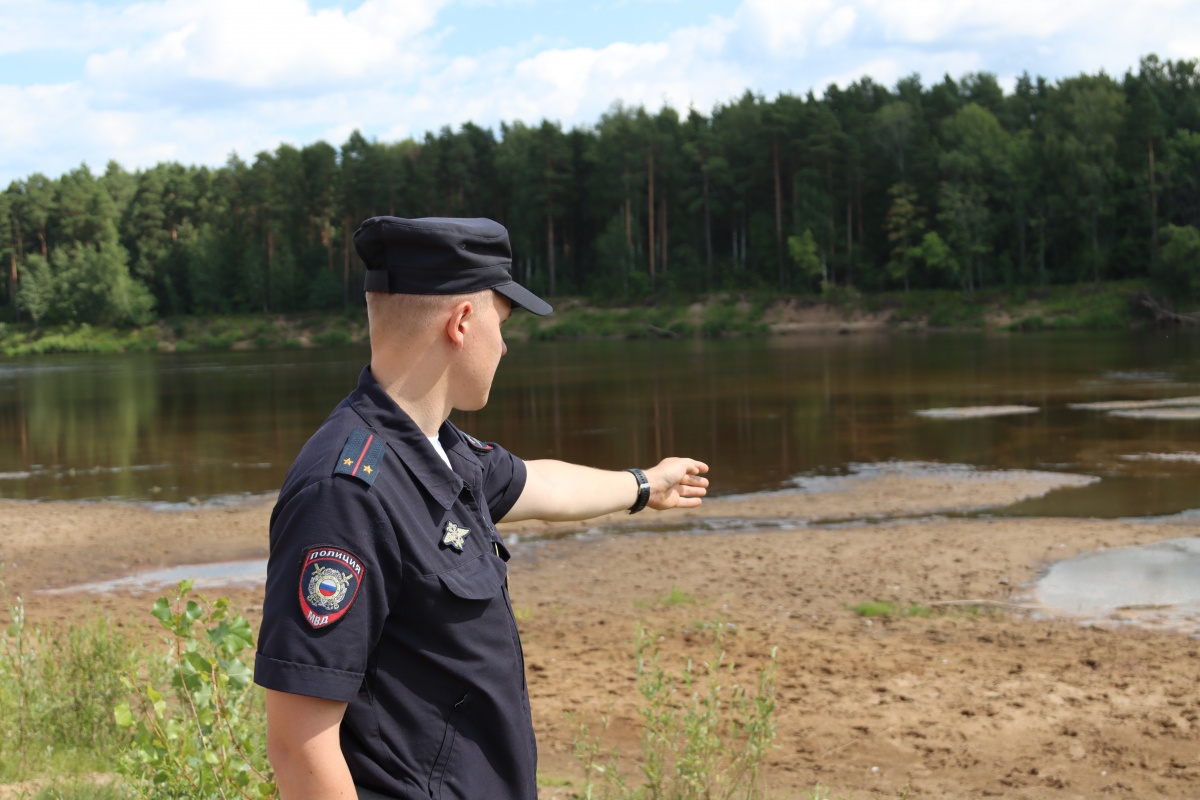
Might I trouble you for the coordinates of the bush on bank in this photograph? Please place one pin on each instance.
(187, 721)
(1102, 306)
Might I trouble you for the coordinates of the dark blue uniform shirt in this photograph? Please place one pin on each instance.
(371, 601)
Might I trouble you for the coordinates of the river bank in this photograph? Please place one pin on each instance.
(991, 700)
(1104, 306)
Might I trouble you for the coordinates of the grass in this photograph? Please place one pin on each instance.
(677, 597)
(886, 609)
(80, 790)
(186, 334)
(1083, 306)
(674, 596)
(706, 727)
(57, 692)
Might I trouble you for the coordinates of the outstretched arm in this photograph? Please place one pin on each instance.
(556, 490)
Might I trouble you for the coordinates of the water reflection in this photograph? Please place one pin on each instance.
(170, 427)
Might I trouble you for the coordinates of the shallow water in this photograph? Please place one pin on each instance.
(248, 574)
(213, 427)
(1157, 584)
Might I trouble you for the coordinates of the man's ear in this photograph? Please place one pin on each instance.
(461, 316)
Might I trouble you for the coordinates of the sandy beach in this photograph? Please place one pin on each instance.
(1011, 703)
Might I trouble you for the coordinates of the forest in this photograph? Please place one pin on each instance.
(956, 185)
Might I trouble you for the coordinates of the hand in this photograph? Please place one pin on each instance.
(677, 483)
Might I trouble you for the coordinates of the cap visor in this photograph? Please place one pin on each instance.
(523, 298)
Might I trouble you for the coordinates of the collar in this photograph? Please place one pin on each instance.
(408, 442)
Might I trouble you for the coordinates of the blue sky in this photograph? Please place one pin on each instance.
(194, 80)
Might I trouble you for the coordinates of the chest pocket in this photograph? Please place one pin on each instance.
(480, 578)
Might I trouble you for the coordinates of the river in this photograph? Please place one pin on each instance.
(765, 413)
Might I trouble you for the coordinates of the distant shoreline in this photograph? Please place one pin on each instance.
(1086, 306)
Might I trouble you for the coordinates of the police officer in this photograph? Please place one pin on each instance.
(389, 649)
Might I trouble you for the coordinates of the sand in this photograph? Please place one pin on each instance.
(1007, 704)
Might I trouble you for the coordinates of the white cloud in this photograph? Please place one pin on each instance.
(191, 81)
(268, 44)
(837, 27)
(784, 27)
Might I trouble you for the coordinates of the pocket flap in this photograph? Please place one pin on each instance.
(479, 579)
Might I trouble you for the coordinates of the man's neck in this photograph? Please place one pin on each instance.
(423, 400)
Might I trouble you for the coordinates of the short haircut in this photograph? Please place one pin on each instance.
(408, 315)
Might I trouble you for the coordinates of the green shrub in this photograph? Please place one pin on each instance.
(703, 735)
(219, 339)
(333, 337)
(56, 691)
(1034, 322)
(205, 737)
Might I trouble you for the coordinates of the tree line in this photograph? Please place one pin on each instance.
(953, 185)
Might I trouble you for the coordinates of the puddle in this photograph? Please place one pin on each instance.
(1133, 405)
(955, 475)
(975, 412)
(222, 574)
(1136, 375)
(1174, 408)
(1159, 413)
(1190, 458)
(1154, 585)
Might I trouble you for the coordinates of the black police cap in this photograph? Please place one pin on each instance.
(436, 255)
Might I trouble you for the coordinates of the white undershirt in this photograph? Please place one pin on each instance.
(441, 451)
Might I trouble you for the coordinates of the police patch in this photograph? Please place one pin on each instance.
(329, 582)
(476, 445)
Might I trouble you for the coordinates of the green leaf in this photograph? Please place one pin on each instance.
(241, 635)
(123, 715)
(162, 611)
(194, 662)
(240, 675)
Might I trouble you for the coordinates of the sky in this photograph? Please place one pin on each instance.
(196, 80)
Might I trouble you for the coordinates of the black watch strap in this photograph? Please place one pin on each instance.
(643, 490)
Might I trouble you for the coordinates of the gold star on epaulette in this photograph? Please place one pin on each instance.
(347, 461)
(367, 469)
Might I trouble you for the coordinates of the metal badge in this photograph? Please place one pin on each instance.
(456, 536)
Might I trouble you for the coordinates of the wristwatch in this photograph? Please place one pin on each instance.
(643, 490)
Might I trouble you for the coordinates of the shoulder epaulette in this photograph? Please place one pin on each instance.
(361, 457)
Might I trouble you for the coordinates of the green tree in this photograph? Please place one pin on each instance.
(81, 283)
(803, 252)
(8, 248)
(1082, 138)
(936, 256)
(1178, 271)
(1181, 170)
(893, 128)
(904, 224)
(709, 170)
(974, 164)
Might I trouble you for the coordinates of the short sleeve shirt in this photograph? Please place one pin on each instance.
(387, 589)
